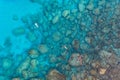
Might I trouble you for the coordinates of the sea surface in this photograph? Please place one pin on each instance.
(59, 39)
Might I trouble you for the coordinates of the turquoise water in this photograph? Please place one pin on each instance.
(58, 39)
(9, 9)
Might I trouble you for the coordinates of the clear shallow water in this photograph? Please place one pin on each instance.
(59, 40)
(9, 9)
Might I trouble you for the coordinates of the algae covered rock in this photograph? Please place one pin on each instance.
(43, 48)
(56, 36)
(104, 54)
(34, 63)
(24, 19)
(18, 31)
(55, 75)
(75, 59)
(90, 6)
(65, 13)
(24, 65)
(55, 19)
(76, 44)
(7, 63)
(96, 11)
(16, 78)
(28, 74)
(81, 7)
(68, 32)
(31, 36)
(33, 53)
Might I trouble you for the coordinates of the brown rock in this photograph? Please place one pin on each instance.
(113, 59)
(102, 71)
(55, 75)
(16, 78)
(74, 77)
(91, 78)
(33, 53)
(93, 72)
(96, 64)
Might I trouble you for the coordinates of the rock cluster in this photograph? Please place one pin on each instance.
(71, 40)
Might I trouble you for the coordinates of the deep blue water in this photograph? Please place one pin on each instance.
(38, 36)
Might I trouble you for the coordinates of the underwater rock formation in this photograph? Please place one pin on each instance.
(70, 40)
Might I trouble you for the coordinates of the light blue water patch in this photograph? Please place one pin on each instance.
(8, 9)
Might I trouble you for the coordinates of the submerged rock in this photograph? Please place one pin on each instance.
(36, 79)
(34, 62)
(96, 11)
(55, 19)
(102, 71)
(68, 32)
(75, 59)
(16, 78)
(24, 19)
(24, 65)
(95, 64)
(43, 48)
(93, 72)
(18, 31)
(55, 75)
(65, 13)
(104, 54)
(74, 77)
(7, 63)
(68, 26)
(56, 36)
(90, 6)
(33, 53)
(102, 2)
(75, 44)
(31, 36)
(81, 7)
